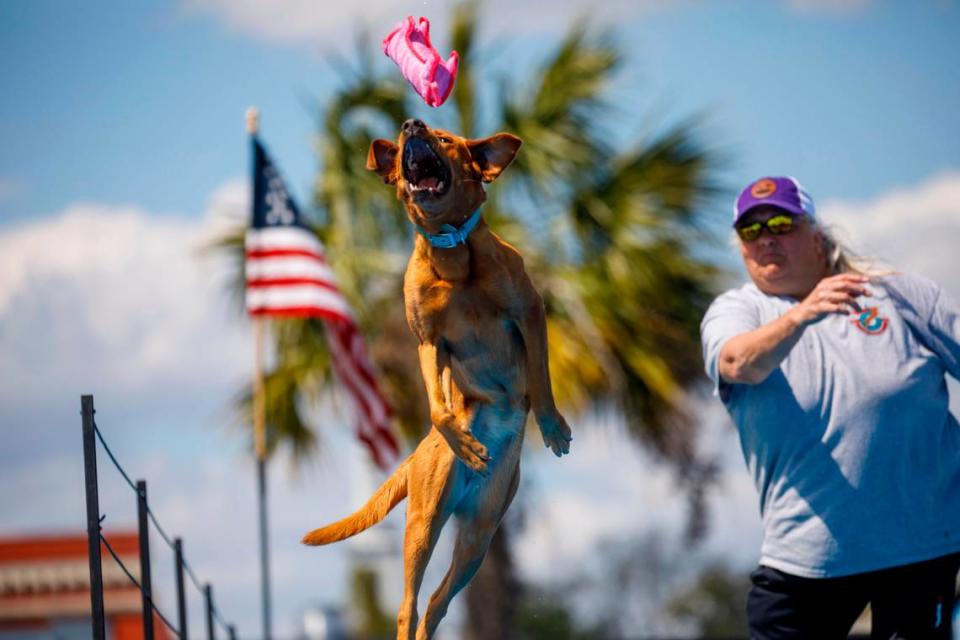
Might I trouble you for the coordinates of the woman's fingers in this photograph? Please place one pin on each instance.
(846, 284)
(839, 298)
(835, 294)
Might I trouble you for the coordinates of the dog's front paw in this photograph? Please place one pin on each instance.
(556, 433)
(466, 447)
(473, 454)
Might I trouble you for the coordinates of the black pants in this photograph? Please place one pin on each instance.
(910, 602)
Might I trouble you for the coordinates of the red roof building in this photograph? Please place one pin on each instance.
(45, 588)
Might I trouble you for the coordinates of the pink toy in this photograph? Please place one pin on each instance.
(409, 46)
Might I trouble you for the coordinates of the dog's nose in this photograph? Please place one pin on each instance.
(413, 126)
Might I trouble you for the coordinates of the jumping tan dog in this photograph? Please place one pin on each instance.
(483, 355)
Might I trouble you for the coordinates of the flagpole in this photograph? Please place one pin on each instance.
(260, 435)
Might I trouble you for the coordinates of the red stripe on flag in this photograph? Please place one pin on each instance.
(300, 312)
(363, 364)
(372, 448)
(361, 398)
(376, 431)
(380, 437)
(345, 339)
(345, 358)
(279, 282)
(278, 253)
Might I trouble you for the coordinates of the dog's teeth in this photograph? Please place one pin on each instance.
(440, 186)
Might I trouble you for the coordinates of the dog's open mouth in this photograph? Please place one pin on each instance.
(424, 171)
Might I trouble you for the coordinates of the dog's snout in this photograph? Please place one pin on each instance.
(413, 126)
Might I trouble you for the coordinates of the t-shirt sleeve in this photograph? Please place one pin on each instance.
(731, 314)
(944, 328)
(933, 314)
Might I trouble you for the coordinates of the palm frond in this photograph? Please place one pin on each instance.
(554, 119)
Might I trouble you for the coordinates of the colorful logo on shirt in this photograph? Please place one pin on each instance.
(869, 321)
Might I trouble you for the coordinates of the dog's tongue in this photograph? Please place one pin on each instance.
(430, 182)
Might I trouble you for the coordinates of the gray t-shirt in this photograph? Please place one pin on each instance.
(850, 442)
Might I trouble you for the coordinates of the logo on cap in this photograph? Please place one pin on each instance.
(763, 188)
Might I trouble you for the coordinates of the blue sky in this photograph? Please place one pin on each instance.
(849, 103)
(133, 102)
(124, 150)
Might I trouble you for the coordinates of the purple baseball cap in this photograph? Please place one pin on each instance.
(783, 192)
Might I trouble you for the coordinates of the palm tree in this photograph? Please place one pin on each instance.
(607, 232)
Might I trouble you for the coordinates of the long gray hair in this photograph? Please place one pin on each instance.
(843, 259)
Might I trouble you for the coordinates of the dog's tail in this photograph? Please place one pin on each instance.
(376, 509)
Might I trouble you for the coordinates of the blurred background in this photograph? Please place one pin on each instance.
(124, 189)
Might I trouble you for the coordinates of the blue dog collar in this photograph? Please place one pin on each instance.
(452, 236)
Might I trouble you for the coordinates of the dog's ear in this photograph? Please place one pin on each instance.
(382, 159)
(494, 154)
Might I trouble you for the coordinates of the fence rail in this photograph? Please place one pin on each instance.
(91, 434)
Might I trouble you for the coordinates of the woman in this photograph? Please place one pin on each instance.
(834, 377)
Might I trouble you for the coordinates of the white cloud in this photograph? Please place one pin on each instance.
(227, 208)
(103, 293)
(914, 228)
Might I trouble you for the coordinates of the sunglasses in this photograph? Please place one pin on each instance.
(777, 225)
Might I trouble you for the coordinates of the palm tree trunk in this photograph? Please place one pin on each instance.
(493, 594)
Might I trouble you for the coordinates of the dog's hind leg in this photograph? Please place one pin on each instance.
(428, 508)
(473, 540)
(418, 545)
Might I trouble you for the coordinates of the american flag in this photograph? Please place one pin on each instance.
(288, 276)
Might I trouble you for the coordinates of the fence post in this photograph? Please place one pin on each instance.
(208, 596)
(145, 587)
(93, 518)
(233, 632)
(181, 595)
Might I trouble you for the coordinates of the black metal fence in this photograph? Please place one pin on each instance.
(144, 517)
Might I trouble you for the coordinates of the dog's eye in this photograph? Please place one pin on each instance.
(443, 139)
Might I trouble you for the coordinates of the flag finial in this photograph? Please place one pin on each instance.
(253, 120)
